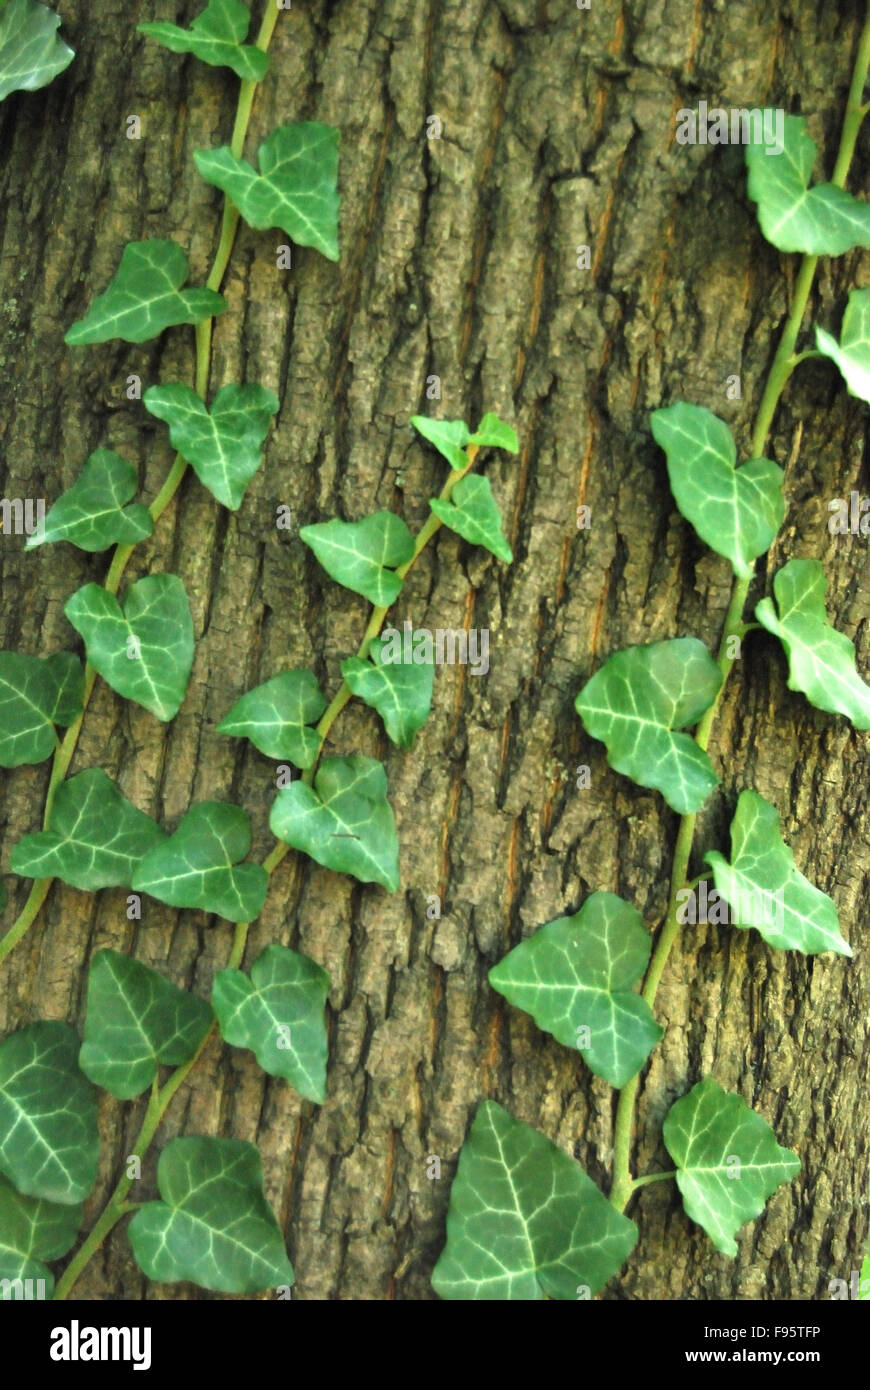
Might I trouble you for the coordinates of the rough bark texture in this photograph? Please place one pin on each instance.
(459, 258)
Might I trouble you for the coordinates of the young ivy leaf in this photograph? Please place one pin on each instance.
(91, 514)
(728, 1160)
(525, 1222)
(575, 977)
(214, 1225)
(765, 890)
(95, 838)
(48, 1115)
(295, 188)
(474, 515)
(821, 660)
(344, 822)
(145, 297)
(276, 715)
(736, 511)
(493, 433)
(35, 694)
(400, 691)
(362, 555)
(852, 353)
(31, 1231)
(136, 1022)
(216, 37)
(223, 444)
(278, 1014)
(449, 437)
(31, 54)
(144, 651)
(199, 866)
(637, 700)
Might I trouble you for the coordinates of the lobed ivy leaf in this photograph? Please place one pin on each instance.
(449, 437)
(145, 297)
(728, 1160)
(145, 650)
(35, 694)
(765, 890)
(223, 444)
(136, 1022)
(91, 514)
(525, 1222)
(344, 822)
(736, 511)
(494, 433)
(362, 555)
(216, 37)
(852, 353)
(31, 54)
(276, 715)
(278, 1014)
(95, 837)
(474, 515)
(821, 660)
(199, 865)
(295, 189)
(214, 1225)
(577, 973)
(400, 691)
(32, 1231)
(48, 1115)
(637, 700)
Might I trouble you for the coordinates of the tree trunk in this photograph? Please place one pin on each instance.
(459, 259)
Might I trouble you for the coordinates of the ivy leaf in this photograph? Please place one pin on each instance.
(765, 890)
(145, 297)
(32, 1231)
(362, 555)
(91, 514)
(820, 221)
(199, 865)
(577, 974)
(144, 652)
(852, 353)
(214, 1225)
(344, 822)
(821, 660)
(475, 515)
(48, 1115)
(136, 1022)
(449, 437)
(278, 1014)
(728, 1160)
(494, 433)
(275, 717)
(216, 37)
(737, 512)
(35, 694)
(31, 54)
(400, 691)
(95, 839)
(636, 701)
(525, 1222)
(223, 444)
(295, 188)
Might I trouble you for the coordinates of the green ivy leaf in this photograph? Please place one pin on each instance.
(145, 651)
(362, 555)
(821, 660)
(525, 1222)
(344, 822)
(199, 865)
(35, 694)
(214, 1225)
(473, 514)
(494, 433)
(765, 890)
(852, 353)
(276, 715)
(216, 37)
(91, 514)
(400, 691)
(296, 188)
(636, 701)
(48, 1115)
(95, 839)
(577, 973)
(820, 221)
(278, 1014)
(32, 1231)
(728, 1160)
(31, 54)
(145, 297)
(449, 437)
(223, 444)
(737, 512)
(136, 1022)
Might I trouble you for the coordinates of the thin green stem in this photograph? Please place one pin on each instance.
(653, 1177)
